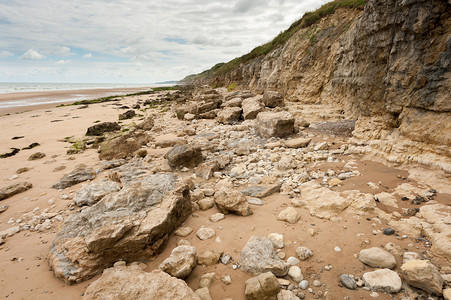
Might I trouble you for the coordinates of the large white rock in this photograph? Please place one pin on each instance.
(277, 124)
(289, 215)
(377, 258)
(383, 280)
(423, 275)
(181, 262)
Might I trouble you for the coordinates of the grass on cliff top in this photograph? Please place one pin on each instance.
(308, 19)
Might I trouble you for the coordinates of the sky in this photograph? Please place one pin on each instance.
(133, 41)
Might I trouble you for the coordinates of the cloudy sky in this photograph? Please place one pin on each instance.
(133, 41)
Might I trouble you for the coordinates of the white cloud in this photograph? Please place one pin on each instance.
(5, 53)
(62, 62)
(88, 55)
(32, 54)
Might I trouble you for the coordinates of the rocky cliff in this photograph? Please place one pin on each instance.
(386, 65)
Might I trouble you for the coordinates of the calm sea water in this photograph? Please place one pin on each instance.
(18, 87)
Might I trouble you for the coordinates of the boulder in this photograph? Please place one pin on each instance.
(229, 114)
(262, 287)
(232, 201)
(14, 189)
(133, 283)
(275, 124)
(101, 128)
(184, 156)
(117, 147)
(424, 275)
(289, 215)
(272, 99)
(382, 280)
(127, 115)
(258, 256)
(181, 262)
(80, 174)
(252, 107)
(377, 258)
(94, 192)
(131, 225)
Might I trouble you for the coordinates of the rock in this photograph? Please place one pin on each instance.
(377, 258)
(166, 143)
(205, 233)
(272, 99)
(80, 174)
(94, 192)
(23, 170)
(118, 147)
(255, 201)
(184, 156)
(260, 191)
(348, 281)
(181, 262)
(207, 169)
(36, 156)
(424, 275)
(304, 253)
(258, 256)
(243, 148)
(183, 231)
(382, 280)
(147, 124)
(209, 258)
(217, 217)
(276, 239)
(447, 294)
(286, 295)
(127, 115)
(277, 124)
(225, 259)
(203, 293)
(321, 146)
(234, 102)
(295, 273)
(289, 215)
(101, 128)
(252, 107)
(232, 201)
(3, 208)
(14, 189)
(206, 280)
(133, 283)
(303, 284)
(206, 203)
(298, 143)
(409, 256)
(261, 287)
(229, 114)
(140, 153)
(335, 182)
(131, 225)
(292, 261)
(227, 279)
(389, 231)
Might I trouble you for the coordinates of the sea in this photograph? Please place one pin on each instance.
(14, 94)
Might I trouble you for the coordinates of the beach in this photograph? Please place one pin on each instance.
(34, 218)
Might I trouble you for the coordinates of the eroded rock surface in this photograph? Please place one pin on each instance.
(14, 189)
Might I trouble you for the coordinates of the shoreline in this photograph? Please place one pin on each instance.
(28, 101)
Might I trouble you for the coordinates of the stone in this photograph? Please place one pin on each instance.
(424, 275)
(140, 153)
(298, 143)
(94, 192)
(242, 148)
(276, 239)
(252, 107)
(225, 259)
(14, 189)
(234, 102)
(260, 191)
(227, 279)
(255, 201)
(258, 256)
(23, 170)
(217, 217)
(3, 208)
(303, 284)
(304, 253)
(147, 124)
(207, 169)
(382, 280)
(261, 287)
(232, 201)
(447, 294)
(183, 231)
(206, 280)
(275, 124)
(389, 231)
(229, 115)
(209, 257)
(272, 99)
(101, 128)
(130, 225)
(406, 256)
(348, 281)
(377, 258)
(206, 203)
(80, 174)
(184, 156)
(335, 182)
(181, 262)
(321, 146)
(166, 143)
(292, 261)
(295, 273)
(134, 283)
(289, 215)
(36, 156)
(205, 233)
(118, 147)
(203, 293)
(127, 115)
(286, 295)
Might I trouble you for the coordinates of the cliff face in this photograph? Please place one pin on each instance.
(388, 65)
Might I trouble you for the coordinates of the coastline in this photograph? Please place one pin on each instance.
(26, 101)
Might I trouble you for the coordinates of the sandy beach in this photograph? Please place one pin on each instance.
(24, 267)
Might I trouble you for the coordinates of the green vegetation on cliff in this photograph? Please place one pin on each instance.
(308, 19)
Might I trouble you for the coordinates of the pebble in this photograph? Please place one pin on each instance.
(348, 281)
(303, 284)
(389, 231)
(225, 259)
(227, 279)
(316, 283)
(293, 261)
(337, 249)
